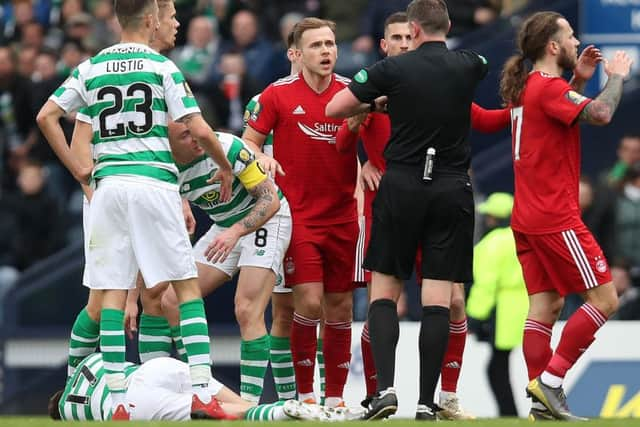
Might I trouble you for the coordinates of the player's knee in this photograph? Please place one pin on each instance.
(339, 307)
(246, 312)
(605, 299)
(93, 310)
(457, 308)
(168, 302)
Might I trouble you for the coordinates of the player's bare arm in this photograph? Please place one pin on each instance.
(255, 141)
(600, 111)
(266, 205)
(208, 140)
(81, 150)
(48, 121)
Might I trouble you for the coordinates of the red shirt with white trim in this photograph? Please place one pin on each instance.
(320, 181)
(546, 155)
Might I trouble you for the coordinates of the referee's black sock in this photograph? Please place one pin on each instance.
(383, 332)
(434, 336)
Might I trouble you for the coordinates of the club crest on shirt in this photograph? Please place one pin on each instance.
(601, 265)
(575, 97)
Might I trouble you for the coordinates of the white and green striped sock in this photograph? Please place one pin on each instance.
(282, 368)
(320, 358)
(266, 412)
(85, 334)
(254, 358)
(176, 335)
(195, 337)
(154, 338)
(112, 345)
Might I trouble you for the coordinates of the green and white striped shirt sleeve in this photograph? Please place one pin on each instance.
(178, 96)
(71, 95)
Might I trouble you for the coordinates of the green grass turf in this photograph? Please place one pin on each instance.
(504, 422)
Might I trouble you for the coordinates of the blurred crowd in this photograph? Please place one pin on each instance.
(229, 50)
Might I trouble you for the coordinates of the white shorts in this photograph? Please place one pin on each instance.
(161, 390)
(280, 287)
(135, 224)
(263, 248)
(85, 237)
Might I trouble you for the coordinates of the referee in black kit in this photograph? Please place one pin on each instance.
(425, 197)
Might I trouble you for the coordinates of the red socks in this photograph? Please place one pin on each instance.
(337, 356)
(304, 338)
(452, 362)
(369, 366)
(577, 336)
(536, 347)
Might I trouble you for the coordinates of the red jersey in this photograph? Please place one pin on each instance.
(546, 156)
(319, 181)
(375, 132)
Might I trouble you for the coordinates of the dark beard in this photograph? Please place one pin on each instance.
(565, 61)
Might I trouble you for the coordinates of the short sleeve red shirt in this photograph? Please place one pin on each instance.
(320, 181)
(546, 155)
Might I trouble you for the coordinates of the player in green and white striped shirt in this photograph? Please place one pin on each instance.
(159, 390)
(136, 219)
(250, 233)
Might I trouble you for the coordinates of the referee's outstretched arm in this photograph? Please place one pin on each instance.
(345, 104)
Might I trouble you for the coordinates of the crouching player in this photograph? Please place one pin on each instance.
(161, 390)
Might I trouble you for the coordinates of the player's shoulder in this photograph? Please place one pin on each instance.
(342, 80)
(544, 80)
(286, 81)
(469, 55)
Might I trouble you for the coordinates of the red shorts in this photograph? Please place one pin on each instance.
(568, 262)
(322, 253)
(361, 276)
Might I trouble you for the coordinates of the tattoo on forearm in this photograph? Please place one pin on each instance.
(264, 197)
(602, 108)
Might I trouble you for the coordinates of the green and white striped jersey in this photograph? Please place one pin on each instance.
(86, 396)
(252, 105)
(129, 91)
(194, 187)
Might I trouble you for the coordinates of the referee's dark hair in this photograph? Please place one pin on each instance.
(431, 15)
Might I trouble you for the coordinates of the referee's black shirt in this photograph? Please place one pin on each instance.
(430, 90)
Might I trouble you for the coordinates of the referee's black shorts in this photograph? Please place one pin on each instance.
(437, 214)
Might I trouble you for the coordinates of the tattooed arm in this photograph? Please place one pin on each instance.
(266, 205)
(600, 111)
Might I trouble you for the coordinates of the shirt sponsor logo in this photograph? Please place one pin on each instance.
(321, 131)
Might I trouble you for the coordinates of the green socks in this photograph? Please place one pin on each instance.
(282, 368)
(254, 358)
(154, 338)
(84, 339)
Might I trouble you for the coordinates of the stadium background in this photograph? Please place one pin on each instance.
(40, 232)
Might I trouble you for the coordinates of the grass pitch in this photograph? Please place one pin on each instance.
(503, 422)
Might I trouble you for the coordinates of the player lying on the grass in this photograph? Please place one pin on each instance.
(161, 390)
